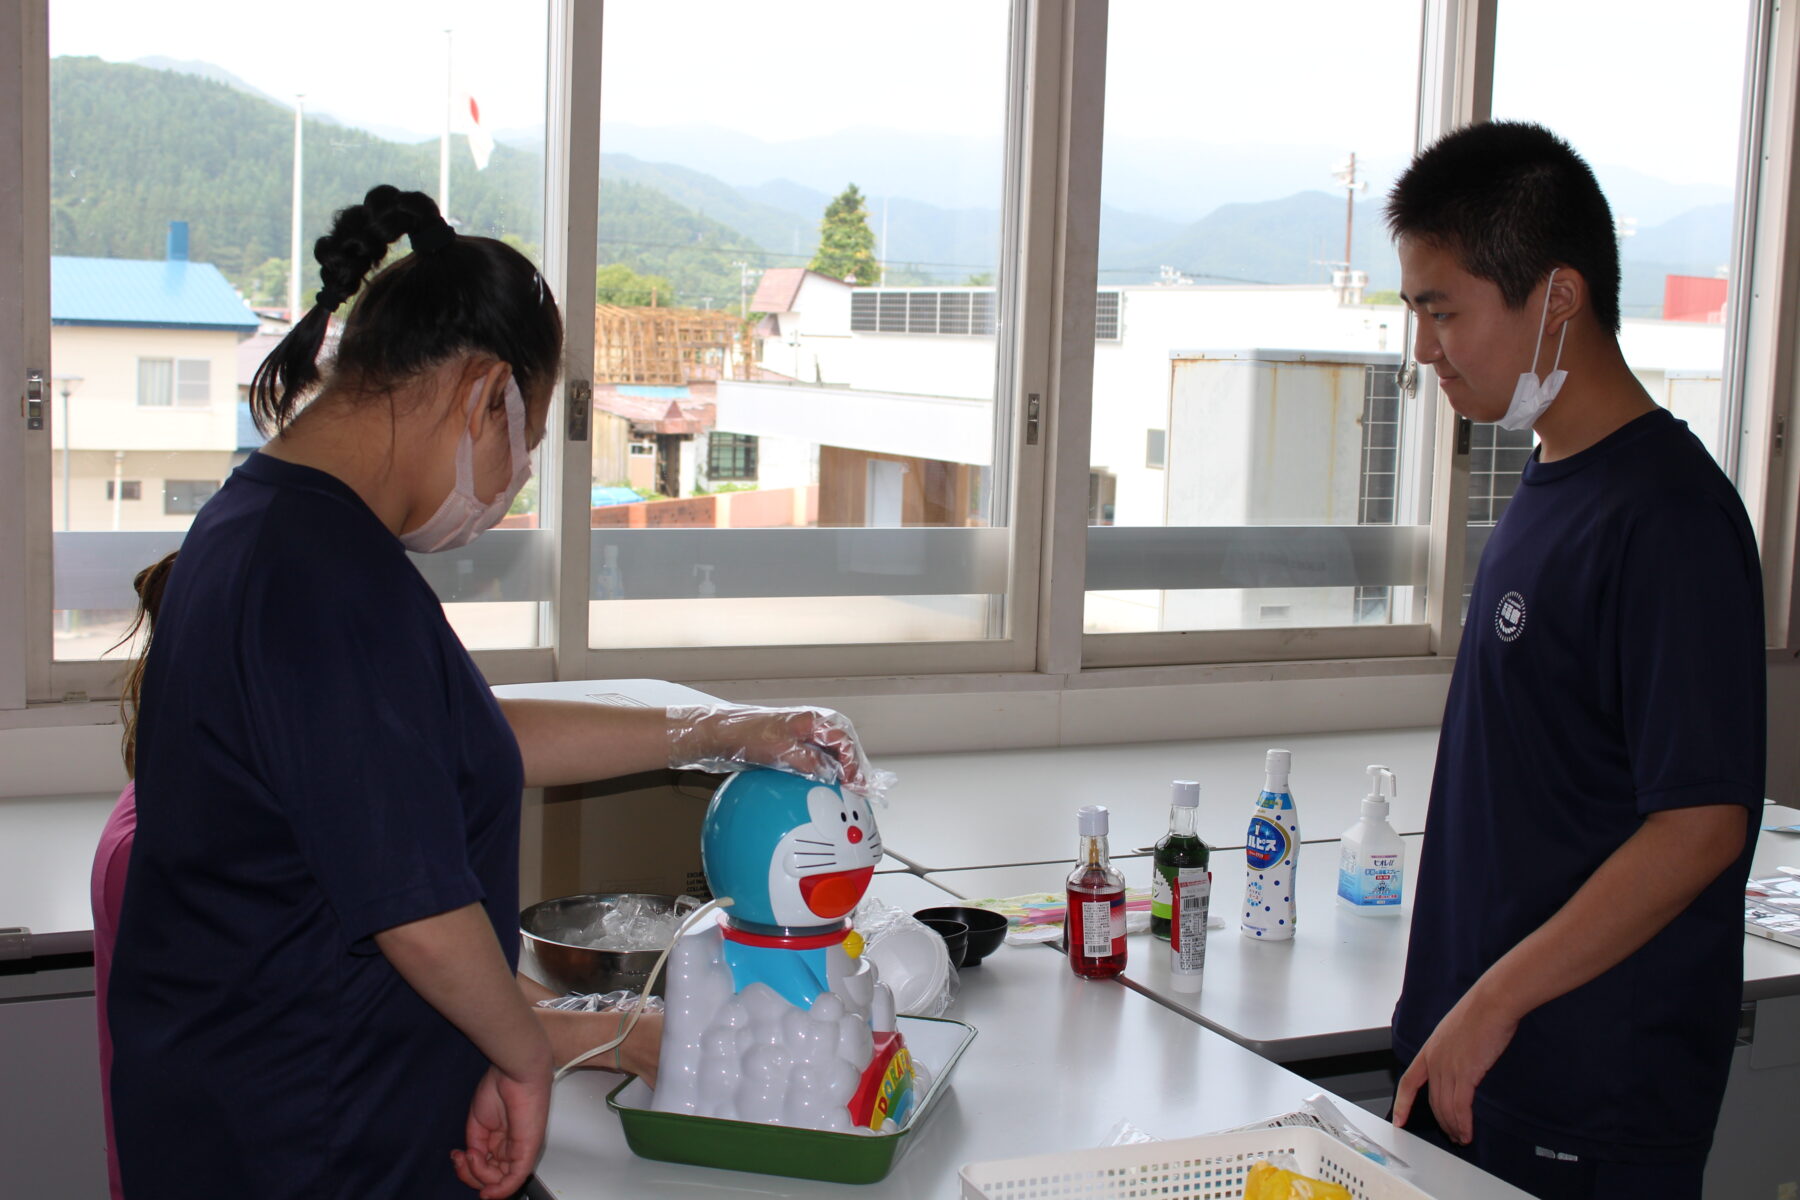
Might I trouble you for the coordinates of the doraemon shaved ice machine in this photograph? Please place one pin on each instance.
(774, 1015)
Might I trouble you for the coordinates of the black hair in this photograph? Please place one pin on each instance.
(452, 295)
(1512, 200)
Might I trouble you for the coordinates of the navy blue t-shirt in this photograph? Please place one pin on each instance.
(1611, 667)
(318, 760)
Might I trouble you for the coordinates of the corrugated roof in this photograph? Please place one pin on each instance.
(689, 412)
(152, 294)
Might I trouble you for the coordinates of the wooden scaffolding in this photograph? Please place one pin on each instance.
(669, 346)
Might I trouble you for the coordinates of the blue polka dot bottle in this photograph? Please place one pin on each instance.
(1272, 856)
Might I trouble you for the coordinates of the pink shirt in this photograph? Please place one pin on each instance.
(107, 893)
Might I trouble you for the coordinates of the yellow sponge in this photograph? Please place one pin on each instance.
(1269, 1182)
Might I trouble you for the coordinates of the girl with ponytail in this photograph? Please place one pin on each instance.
(312, 990)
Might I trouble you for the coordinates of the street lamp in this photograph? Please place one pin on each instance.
(68, 384)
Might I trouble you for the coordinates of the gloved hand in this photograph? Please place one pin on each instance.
(817, 743)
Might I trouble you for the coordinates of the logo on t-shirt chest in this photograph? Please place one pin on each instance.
(1509, 617)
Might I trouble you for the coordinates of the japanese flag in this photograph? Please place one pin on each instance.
(468, 119)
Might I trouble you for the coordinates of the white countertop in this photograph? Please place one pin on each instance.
(994, 808)
(908, 892)
(1332, 989)
(1056, 1064)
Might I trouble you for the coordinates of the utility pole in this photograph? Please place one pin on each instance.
(294, 244)
(1347, 286)
(443, 197)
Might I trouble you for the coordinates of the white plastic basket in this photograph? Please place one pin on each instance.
(1212, 1167)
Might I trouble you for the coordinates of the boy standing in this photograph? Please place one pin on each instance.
(1575, 964)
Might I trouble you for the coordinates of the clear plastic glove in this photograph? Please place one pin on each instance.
(817, 743)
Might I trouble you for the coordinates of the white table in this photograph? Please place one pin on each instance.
(908, 892)
(1057, 1063)
(1330, 990)
(996, 808)
(1771, 968)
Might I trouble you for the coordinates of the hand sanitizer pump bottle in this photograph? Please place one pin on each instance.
(1372, 867)
(1271, 855)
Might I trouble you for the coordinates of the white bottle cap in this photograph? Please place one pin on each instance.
(1276, 764)
(1184, 793)
(1092, 819)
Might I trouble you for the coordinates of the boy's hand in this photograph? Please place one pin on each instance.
(505, 1133)
(1454, 1059)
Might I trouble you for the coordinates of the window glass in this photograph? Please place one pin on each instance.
(1668, 163)
(795, 383)
(183, 497)
(193, 382)
(172, 142)
(1249, 319)
(155, 386)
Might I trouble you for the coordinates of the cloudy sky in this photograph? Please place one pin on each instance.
(1650, 84)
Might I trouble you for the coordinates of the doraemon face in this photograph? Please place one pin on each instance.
(821, 869)
(787, 851)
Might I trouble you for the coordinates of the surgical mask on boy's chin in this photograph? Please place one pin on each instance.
(463, 517)
(1531, 395)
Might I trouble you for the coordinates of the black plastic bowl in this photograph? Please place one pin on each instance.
(954, 933)
(987, 929)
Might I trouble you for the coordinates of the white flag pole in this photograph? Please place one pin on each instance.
(443, 196)
(294, 243)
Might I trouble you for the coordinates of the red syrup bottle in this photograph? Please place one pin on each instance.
(1094, 931)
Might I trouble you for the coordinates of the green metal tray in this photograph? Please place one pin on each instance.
(779, 1149)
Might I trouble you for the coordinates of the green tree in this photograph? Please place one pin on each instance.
(268, 283)
(846, 243)
(616, 283)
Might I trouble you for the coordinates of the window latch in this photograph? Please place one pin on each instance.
(580, 396)
(1031, 419)
(1464, 430)
(31, 405)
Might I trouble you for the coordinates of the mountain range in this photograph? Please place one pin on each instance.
(136, 145)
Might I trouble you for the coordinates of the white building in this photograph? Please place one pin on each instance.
(1214, 407)
(145, 388)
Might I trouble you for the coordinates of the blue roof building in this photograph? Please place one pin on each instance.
(168, 293)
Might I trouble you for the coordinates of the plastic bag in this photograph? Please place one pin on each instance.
(1320, 1113)
(1126, 1134)
(817, 743)
(909, 957)
(599, 1002)
(636, 923)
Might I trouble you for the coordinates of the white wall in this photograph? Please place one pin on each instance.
(917, 426)
(103, 410)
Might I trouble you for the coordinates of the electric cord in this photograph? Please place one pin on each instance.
(638, 1009)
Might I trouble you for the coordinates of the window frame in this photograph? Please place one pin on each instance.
(1026, 320)
(1058, 85)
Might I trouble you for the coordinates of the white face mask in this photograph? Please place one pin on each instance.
(1531, 395)
(463, 517)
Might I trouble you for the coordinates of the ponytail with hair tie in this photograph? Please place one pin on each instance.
(452, 295)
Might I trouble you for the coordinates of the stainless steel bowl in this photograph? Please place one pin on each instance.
(552, 954)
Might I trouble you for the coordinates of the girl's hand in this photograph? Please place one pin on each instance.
(817, 743)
